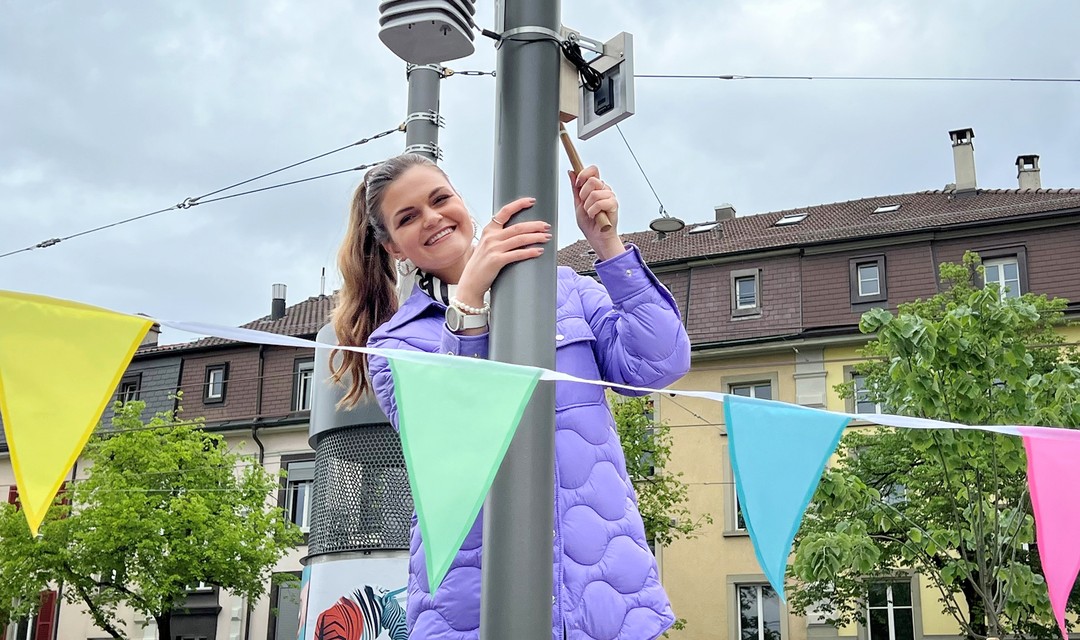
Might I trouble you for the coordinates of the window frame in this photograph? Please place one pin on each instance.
(285, 491)
(211, 369)
(300, 366)
(1016, 252)
(731, 500)
(129, 379)
(744, 274)
(852, 403)
(853, 279)
(275, 595)
(734, 583)
(910, 579)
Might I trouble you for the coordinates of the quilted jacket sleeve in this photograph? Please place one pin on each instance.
(640, 339)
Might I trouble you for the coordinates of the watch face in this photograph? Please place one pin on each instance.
(453, 319)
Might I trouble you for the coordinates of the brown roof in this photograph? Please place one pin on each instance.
(854, 219)
(302, 319)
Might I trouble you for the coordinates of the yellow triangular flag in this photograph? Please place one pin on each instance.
(60, 362)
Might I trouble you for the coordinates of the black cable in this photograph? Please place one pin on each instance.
(297, 164)
(286, 184)
(591, 79)
(187, 203)
(642, 169)
(855, 78)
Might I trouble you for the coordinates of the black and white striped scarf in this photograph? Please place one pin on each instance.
(438, 290)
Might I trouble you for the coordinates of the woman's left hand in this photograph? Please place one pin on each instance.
(593, 196)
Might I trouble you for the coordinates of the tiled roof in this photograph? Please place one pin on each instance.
(854, 219)
(302, 319)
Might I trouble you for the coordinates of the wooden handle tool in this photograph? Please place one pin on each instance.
(575, 162)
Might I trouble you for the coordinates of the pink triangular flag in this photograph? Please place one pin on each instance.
(1053, 475)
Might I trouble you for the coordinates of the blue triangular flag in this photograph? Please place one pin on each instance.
(778, 452)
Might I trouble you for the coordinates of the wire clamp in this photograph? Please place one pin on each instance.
(439, 69)
(428, 148)
(430, 116)
(540, 33)
(188, 203)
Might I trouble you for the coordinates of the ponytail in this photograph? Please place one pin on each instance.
(367, 297)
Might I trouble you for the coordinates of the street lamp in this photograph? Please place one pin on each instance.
(665, 224)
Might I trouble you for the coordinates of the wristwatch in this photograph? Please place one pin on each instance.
(457, 320)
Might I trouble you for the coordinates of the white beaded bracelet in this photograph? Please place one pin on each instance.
(466, 309)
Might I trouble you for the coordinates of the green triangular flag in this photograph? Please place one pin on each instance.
(457, 416)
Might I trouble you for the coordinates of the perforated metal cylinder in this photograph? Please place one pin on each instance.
(361, 497)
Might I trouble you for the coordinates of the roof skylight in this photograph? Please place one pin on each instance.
(887, 208)
(791, 218)
(705, 227)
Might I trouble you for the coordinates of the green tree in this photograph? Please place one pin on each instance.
(952, 505)
(662, 495)
(164, 507)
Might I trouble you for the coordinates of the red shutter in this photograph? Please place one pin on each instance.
(43, 630)
(13, 495)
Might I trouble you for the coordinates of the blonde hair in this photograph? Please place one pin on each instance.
(367, 297)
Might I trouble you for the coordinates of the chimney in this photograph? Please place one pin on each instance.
(151, 337)
(1027, 172)
(724, 212)
(277, 304)
(964, 159)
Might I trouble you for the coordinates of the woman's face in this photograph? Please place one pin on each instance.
(428, 223)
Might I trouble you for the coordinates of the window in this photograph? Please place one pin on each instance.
(1005, 273)
(760, 390)
(740, 521)
(890, 614)
(862, 401)
(217, 379)
(129, 388)
(759, 612)
(288, 606)
(791, 218)
(887, 208)
(704, 227)
(867, 276)
(299, 481)
(38, 626)
(303, 377)
(869, 279)
(745, 292)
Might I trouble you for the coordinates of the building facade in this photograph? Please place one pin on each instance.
(772, 303)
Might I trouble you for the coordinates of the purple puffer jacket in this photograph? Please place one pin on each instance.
(605, 578)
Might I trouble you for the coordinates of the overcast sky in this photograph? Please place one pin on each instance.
(112, 109)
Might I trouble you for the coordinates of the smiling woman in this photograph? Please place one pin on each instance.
(625, 329)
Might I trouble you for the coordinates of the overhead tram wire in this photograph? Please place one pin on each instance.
(739, 76)
(187, 203)
(736, 76)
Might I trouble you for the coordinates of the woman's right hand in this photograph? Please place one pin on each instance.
(499, 246)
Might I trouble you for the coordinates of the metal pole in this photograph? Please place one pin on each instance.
(517, 594)
(422, 124)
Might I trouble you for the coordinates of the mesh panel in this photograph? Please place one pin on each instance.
(361, 497)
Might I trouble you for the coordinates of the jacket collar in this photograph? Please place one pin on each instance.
(417, 304)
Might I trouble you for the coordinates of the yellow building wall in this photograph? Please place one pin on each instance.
(698, 573)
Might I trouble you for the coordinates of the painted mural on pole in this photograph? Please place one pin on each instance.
(354, 599)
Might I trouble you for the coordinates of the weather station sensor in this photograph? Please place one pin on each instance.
(428, 31)
(613, 101)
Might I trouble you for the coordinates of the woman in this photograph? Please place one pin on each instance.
(626, 330)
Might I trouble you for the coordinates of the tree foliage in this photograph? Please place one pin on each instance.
(662, 495)
(951, 505)
(164, 507)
